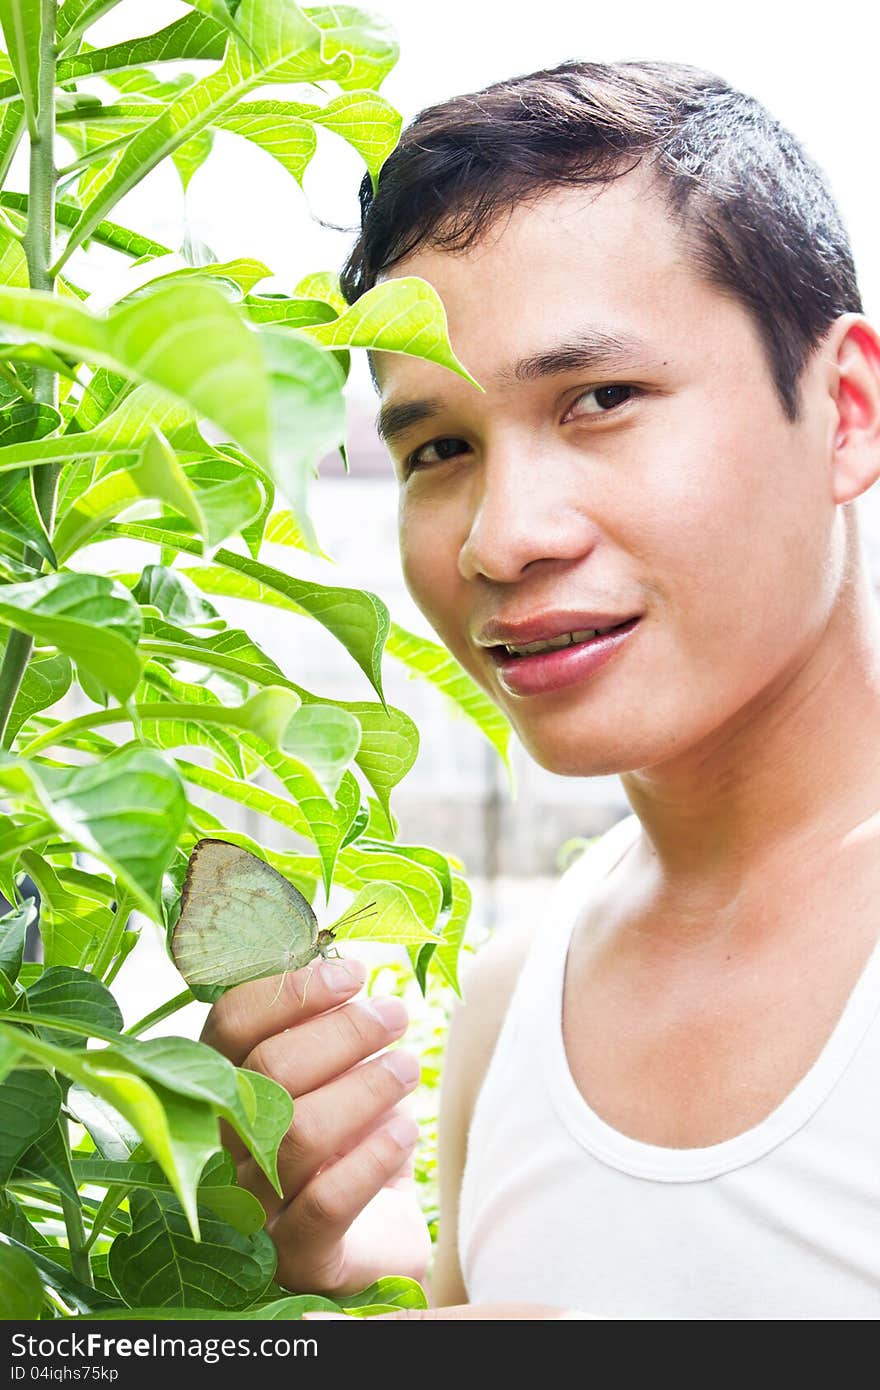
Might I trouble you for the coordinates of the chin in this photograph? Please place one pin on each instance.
(591, 754)
(579, 758)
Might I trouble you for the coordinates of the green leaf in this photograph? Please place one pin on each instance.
(45, 681)
(323, 284)
(122, 431)
(174, 731)
(160, 1264)
(185, 338)
(175, 596)
(421, 884)
(114, 1136)
(181, 1133)
(326, 739)
(435, 664)
(282, 528)
(235, 1206)
(13, 262)
(74, 917)
(48, 1160)
(270, 1111)
(156, 475)
(22, 28)
(20, 517)
(369, 124)
(307, 412)
(279, 45)
(242, 273)
(400, 315)
(128, 810)
(363, 43)
(21, 1289)
(257, 799)
(328, 821)
(9, 1055)
(280, 132)
(282, 309)
(73, 996)
(91, 619)
(89, 1168)
(394, 1291)
(425, 855)
(195, 1070)
(12, 127)
(390, 739)
(13, 933)
(75, 16)
(386, 914)
(194, 36)
(446, 955)
(29, 1105)
(109, 234)
(356, 617)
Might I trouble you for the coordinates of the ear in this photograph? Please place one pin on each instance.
(854, 346)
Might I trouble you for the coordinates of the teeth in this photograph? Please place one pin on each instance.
(565, 639)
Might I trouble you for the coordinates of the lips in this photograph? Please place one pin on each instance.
(560, 667)
(501, 655)
(542, 627)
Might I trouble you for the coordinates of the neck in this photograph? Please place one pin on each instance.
(795, 772)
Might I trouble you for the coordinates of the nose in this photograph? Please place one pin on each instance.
(529, 507)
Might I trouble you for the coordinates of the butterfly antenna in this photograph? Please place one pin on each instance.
(368, 910)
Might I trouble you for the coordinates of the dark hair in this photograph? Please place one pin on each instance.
(756, 213)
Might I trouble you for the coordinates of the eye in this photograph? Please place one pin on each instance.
(602, 394)
(444, 449)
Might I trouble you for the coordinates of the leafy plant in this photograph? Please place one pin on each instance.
(173, 420)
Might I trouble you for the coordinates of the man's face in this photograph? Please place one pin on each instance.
(686, 498)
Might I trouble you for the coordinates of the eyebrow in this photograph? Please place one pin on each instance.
(592, 349)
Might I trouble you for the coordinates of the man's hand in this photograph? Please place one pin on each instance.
(349, 1212)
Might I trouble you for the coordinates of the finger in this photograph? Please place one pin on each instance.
(322, 1048)
(309, 1231)
(246, 1014)
(314, 1052)
(326, 1120)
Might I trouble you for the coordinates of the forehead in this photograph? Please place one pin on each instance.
(607, 257)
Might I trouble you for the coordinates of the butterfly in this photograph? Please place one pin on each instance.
(242, 920)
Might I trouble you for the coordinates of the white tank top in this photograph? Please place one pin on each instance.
(558, 1207)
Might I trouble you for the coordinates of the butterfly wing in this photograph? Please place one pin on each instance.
(239, 919)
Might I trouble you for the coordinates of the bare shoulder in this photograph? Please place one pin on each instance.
(487, 985)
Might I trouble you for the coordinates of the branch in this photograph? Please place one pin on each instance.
(38, 249)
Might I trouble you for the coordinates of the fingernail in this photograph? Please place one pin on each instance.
(403, 1130)
(404, 1066)
(391, 1012)
(342, 976)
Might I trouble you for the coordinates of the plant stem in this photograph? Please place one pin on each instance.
(164, 1011)
(112, 1199)
(9, 374)
(76, 1239)
(38, 241)
(107, 953)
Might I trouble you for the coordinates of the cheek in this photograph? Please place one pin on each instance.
(750, 542)
(427, 559)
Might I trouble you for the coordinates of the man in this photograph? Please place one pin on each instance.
(649, 278)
